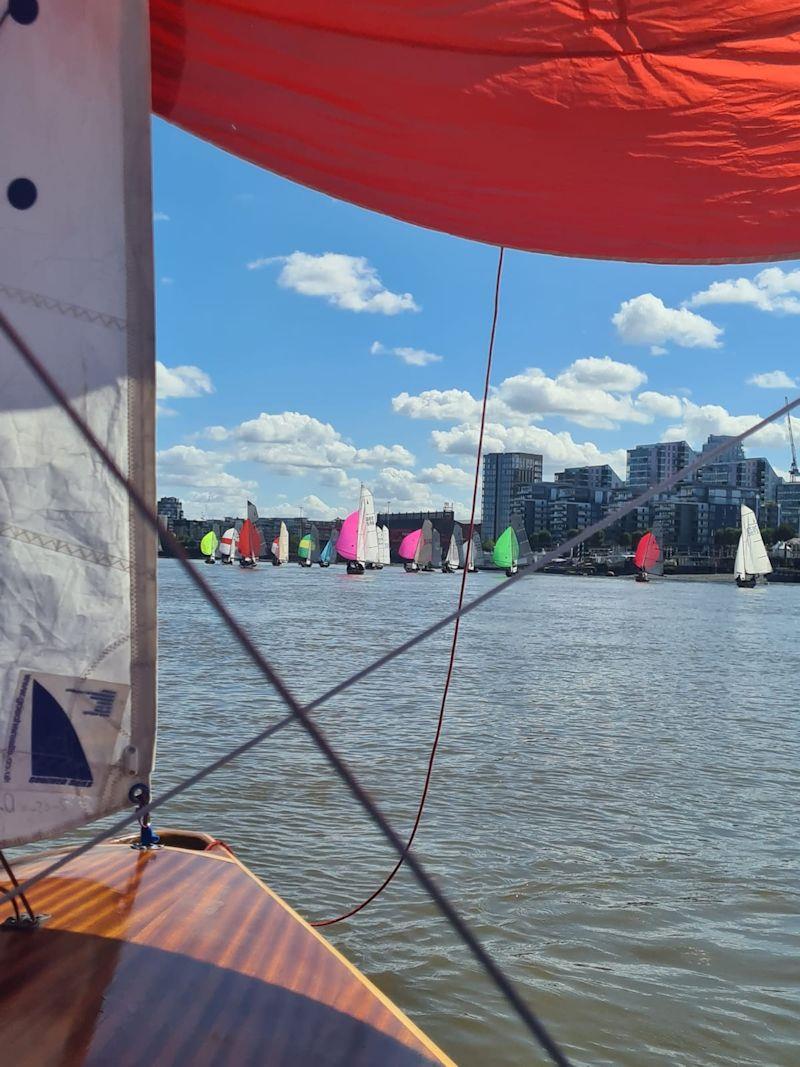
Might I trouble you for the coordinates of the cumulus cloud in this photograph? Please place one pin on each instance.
(413, 357)
(772, 289)
(403, 489)
(700, 420)
(773, 379)
(211, 489)
(350, 283)
(446, 474)
(160, 216)
(660, 405)
(606, 373)
(646, 320)
(178, 383)
(445, 405)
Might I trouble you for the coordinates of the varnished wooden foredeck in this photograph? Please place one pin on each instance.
(183, 957)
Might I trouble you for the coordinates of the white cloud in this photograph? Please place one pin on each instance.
(446, 405)
(413, 357)
(658, 350)
(660, 405)
(700, 420)
(212, 490)
(347, 282)
(403, 489)
(773, 379)
(646, 320)
(179, 383)
(606, 373)
(772, 289)
(446, 474)
(557, 449)
(160, 216)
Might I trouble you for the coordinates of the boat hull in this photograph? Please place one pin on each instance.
(179, 956)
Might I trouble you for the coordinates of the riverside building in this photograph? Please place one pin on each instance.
(506, 476)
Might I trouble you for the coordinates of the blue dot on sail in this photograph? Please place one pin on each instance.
(57, 756)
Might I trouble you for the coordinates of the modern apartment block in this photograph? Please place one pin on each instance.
(649, 464)
(505, 474)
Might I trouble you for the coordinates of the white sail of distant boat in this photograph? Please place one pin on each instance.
(452, 559)
(78, 617)
(436, 548)
(424, 552)
(367, 529)
(476, 558)
(751, 555)
(227, 545)
(283, 544)
(386, 557)
(461, 548)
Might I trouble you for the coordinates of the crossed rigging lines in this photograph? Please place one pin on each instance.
(301, 713)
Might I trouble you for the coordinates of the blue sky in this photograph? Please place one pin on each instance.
(296, 336)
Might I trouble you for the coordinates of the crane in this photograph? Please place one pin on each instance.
(794, 470)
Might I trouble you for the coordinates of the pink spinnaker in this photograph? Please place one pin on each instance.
(347, 545)
(408, 546)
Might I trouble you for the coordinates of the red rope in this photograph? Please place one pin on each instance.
(454, 643)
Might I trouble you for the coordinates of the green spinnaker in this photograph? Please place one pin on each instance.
(306, 547)
(208, 546)
(506, 549)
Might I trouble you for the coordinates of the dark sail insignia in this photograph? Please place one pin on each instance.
(57, 756)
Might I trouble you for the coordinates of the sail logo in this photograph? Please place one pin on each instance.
(57, 756)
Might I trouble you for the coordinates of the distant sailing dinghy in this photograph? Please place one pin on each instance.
(648, 558)
(451, 561)
(386, 556)
(506, 551)
(227, 545)
(208, 546)
(475, 553)
(433, 556)
(305, 550)
(408, 549)
(358, 537)
(329, 555)
(280, 547)
(372, 551)
(752, 561)
(249, 545)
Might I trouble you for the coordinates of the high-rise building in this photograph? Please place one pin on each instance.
(731, 468)
(788, 494)
(170, 509)
(650, 464)
(597, 476)
(729, 455)
(504, 474)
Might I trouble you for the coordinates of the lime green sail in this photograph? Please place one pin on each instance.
(208, 546)
(306, 547)
(506, 549)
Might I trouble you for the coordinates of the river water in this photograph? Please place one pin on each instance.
(614, 807)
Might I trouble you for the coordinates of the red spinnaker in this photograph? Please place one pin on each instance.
(648, 552)
(249, 541)
(658, 130)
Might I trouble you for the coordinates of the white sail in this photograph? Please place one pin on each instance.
(751, 555)
(525, 550)
(461, 548)
(228, 542)
(77, 584)
(386, 557)
(368, 526)
(436, 548)
(476, 550)
(424, 553)
(452, 553)
(283, 544)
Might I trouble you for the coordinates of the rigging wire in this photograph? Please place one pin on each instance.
(298, 713)
(531, 1021)
(454, 642)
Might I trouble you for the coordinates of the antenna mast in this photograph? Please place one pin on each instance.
(794, 470)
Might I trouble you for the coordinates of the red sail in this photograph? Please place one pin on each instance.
(661, 130)
(648, 552)
(249, 541)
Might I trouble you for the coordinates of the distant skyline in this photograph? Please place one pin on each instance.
(306, 345)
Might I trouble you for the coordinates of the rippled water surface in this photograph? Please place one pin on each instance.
(614, 807)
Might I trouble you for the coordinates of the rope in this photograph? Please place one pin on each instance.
(297, 711)
(454, 643)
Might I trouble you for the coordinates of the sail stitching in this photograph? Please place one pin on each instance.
(50, 303)
(66, 548)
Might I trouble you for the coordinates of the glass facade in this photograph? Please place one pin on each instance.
(504, 475)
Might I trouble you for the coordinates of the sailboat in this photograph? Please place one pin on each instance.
(358, 538)
(249, 545)
(506, 551)
(227, 545)
(208, 546)
(157, 948)
(452, 559)
(434, 556)
(525, 552)
(475, 552)
(280, 546)
(372, 552)
(752, 561)
(408, 549)
(648, 558)
(328, 555)
(306, 549)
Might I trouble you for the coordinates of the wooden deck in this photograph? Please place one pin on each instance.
(183, 957)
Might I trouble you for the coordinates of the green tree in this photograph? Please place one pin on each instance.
(542, 539)
(785, 531)
(488, 544)
(624, 540)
